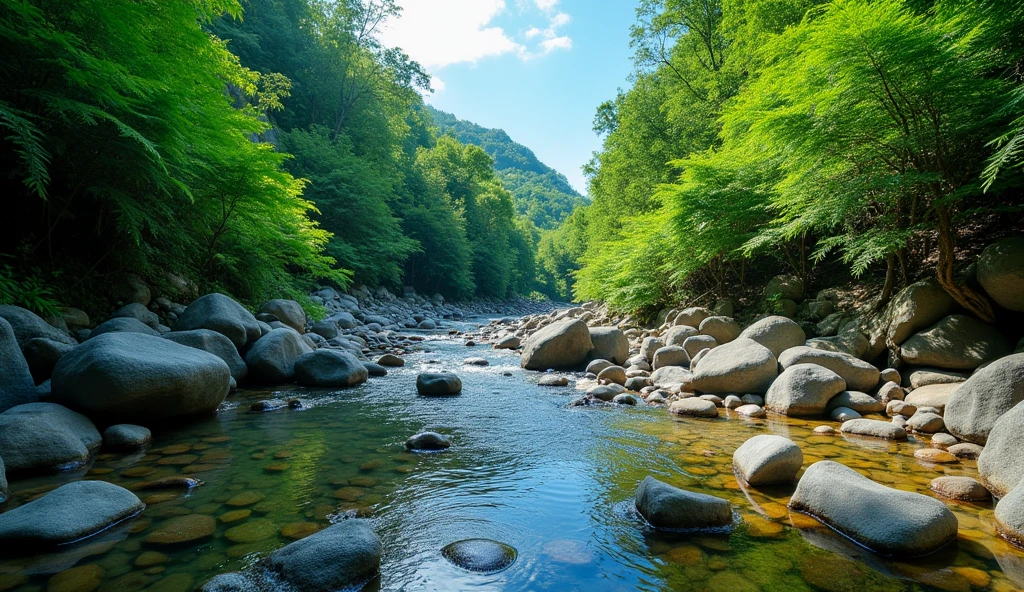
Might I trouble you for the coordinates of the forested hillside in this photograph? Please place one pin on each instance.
(254, 147)
(541, 193)
(760, 136)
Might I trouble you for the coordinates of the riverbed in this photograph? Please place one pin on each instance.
(553, 480)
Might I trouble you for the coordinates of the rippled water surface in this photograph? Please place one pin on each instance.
(555, 482)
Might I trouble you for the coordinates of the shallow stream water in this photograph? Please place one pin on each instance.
(555, 482)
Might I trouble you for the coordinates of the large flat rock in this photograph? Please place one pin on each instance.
(67, 514)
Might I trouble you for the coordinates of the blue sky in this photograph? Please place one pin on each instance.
(536, 68)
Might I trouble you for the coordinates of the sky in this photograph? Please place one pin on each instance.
(537, 69)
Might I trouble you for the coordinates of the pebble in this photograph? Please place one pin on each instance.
(183, 529)
(247, 498)
(934, 455)
(252, 531)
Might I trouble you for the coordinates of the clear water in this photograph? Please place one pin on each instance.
(556, 482)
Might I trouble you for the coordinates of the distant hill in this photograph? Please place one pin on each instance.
(541, 193)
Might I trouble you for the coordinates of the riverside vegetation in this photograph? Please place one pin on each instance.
(268, 322)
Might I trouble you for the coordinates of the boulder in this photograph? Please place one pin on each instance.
(677, 334)
(329, 368)
(960, 488)
(695, 344)
(326, 329)
(889, 392)
(671, 355)
(926, 422)
(67, 514)
(740, 366)
(723, 329)
(803, 389)
(42, 355)
(649, 347)
(136, 378)
(921, 377)
(596, 366)
(610, 344)
(123, 325)
(625, 399)
(480, 555)
(751, 410)
(843, 414)
(697, 358)
(139, 312)
(220, 313)
(935, 395)
(858, 401)
(375, 369)
(896, 407)
(975, 405)
(785, 287)
(428, 441)
(692, 317)
(271, 360)
(28, 325)
(288, 312)
(670, 375)
(75, 318)
(553, 380)
(664, 506)
(858, 374)
(694, 407)
(1001, 463)
(916, 307)
(345, 555)
(214, 343)
(776, 333)
(427, 325)
(1001, 272)
(874, 428)
(767, 459)
(343, 319)
(885, 520)
(967, 450)
(45, 437)
(957, 342)
(605, 392)
(126, 437)
(1010, 516)
(16, 384)
(512, 342)
(562, 344)
(391, 361)
(614, 374)
(438, 384)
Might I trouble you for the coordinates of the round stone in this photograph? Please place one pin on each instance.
(252, 531)
(480, 555)
(183, 529)
(934, 455)
(246, 498)
(960, 488)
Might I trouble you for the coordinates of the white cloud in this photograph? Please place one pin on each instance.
(438, 33)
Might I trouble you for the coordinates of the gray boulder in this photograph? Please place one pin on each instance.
(1001, 463)
(214, 343)
(123, 325)
(1010, 516)
(874, 428)
(787, 287)
(776, 333)
(288, 312)
(16, 384)
(926, 422)
(885, 520)
(664, 506)
(512, 342)
(916, 307)
(139, 312)
(957, 342)
(67, 514)
(329, 368)
(343, 319)
(960, 488)
(45, 437)
(220, 313)
(694, 407)
(325, 329)
(272, 359)
(391, 361)
(375, 369)
(431, 441)
(553, 380)
(345, 555)
(858, 401)
(1001, 272)
(842, 414)
(563, 344)
(803, 389)
(669, 375)
(921, 377)
(615, 374)
(975, 405)
(723, 329)
(692, 317)
(766, 459)
(610, 344)
(935, 395)
(649, 347)
(28, 325)
(438, 384)
(125, 437)
(42, 355)
(677, 334)
(741, 366)
(136, 378)
(858, 374)
(695, 344)
(671, 355)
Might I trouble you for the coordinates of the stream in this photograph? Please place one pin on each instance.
(554, 481)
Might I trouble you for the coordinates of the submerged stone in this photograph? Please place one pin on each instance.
(480, 555)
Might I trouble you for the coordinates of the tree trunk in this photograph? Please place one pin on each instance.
(967, 297)
(890, 281)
